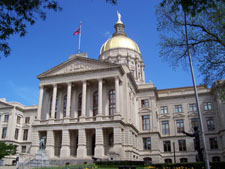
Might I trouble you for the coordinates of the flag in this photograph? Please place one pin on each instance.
(77, 31)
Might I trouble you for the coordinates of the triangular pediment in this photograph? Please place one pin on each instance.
(144, 110)
(178, 115)
(4, 105)
(77, 64)
(164, 116)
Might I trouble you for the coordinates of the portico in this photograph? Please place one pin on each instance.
(78, 101)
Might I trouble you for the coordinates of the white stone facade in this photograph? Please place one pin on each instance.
(104, 109)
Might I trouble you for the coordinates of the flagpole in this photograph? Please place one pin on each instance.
(79, 38)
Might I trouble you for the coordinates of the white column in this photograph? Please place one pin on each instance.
(53, 101)
(82, 149)
(65, 150)
(99, 143)
(99, 116)
(73, 104)
(117, 95)
(83, 108)
(68, 100)
(50, 144)
(60, 104)
(40, 101)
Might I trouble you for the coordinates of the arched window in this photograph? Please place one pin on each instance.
(215, 159)
(64, 105)
(168, 160)
(112, 102)
(79, 104)
(183, 160)
(95, 103)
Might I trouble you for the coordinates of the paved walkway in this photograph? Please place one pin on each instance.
(7, 167)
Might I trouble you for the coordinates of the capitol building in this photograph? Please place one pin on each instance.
(104, 109)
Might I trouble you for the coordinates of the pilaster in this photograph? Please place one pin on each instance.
(50, 143)
(82, 145)
(99, 145)
(65, 149)
(35, 142)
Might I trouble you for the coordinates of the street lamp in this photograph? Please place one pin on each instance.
(196, 95)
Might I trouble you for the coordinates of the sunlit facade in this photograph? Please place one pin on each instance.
(104, 109)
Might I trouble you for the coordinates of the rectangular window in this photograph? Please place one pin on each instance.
(146, 122)
(27, 120)
(144, 103)
(210, 123)
(178, 108)
(23, 149)
(208, 106)
(194, 122)
(166, 146)
(16, 134)
(165, 128)
(192, 107)
(6, 119)
(147, 143)
(213, 143)
(164, 110)
(180, 126)
(182, 145)
(18, 119)
(4, 132)
(25, 134)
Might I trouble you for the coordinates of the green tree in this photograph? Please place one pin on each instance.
(15, 15)
(6, 149)
(206, 25)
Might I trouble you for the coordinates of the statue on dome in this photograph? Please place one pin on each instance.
(119, 17)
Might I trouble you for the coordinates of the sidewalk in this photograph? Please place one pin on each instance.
(7, 167)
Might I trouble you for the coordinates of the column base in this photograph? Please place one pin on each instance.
(66, 120)
(99, 151)
(51, 121)
(50, 151)
(65, 151)
(34, 149)
(99, 118)
(81, 151)
(117, 116)
(82, 119)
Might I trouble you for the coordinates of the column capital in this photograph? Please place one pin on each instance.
(54, 84)
(116, 77)
(69, 83)
(100, 79)
(84, 81)
(41, 86)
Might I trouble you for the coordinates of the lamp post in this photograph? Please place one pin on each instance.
(196, 96)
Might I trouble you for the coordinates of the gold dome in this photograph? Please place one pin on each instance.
(119, 41)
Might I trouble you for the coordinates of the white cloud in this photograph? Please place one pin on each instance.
(107, 34)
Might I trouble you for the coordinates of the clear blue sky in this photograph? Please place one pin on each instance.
(50, 42)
